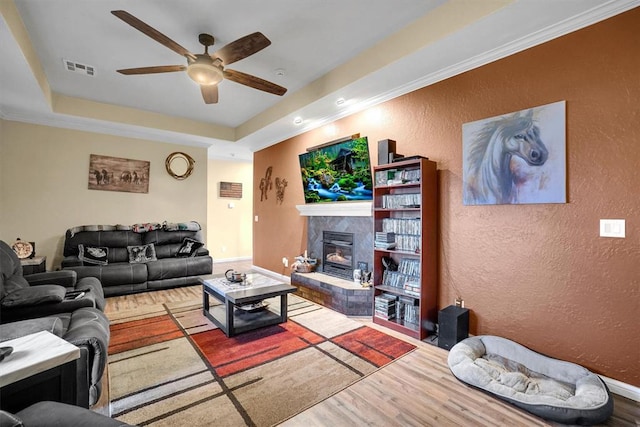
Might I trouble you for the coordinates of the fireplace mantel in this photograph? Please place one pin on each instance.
(336, 209)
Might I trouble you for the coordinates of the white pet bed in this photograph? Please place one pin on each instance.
(549, 388)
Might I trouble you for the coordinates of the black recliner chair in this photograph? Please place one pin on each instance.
(37, 302)
(41, 294)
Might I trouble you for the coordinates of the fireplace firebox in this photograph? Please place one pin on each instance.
(337, 254)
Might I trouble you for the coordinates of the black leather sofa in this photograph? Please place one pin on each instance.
(173, 256)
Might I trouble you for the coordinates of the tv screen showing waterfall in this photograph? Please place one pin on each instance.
(339, 172)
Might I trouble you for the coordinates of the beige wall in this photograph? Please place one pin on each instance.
(537, 274)
(229, 234)
(43, 185)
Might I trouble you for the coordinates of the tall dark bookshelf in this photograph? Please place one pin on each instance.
(406, 204)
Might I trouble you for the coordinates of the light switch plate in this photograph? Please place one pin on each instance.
(612, 228)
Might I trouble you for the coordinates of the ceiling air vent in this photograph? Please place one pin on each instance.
(76, 67)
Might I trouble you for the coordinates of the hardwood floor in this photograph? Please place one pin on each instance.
(416, 390)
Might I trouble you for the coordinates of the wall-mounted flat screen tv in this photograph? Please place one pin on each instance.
(337, 172)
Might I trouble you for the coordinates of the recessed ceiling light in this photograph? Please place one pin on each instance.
(340, 101)
(297, 121)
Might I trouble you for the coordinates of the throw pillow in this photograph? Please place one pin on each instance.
(189, 247)
(93, 254)
(181, 226)
(146, 227)
(143, 253)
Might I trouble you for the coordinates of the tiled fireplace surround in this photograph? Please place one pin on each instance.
(360, 226)
(341, 295)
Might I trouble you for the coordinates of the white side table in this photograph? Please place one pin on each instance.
(42, 366)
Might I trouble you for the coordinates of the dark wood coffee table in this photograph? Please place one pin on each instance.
(240, 307)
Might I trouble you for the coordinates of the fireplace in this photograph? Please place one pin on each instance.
(337, 254)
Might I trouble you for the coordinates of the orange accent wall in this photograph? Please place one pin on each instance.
(537, 274)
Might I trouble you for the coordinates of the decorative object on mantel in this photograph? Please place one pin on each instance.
(365, 279)
(516, 158)
(118, 174)
(266, 184)
(281, 185)
(304, 264)
(23, 249)
(231, 189)
(179, 165)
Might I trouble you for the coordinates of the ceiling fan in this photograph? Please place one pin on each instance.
(206, 69)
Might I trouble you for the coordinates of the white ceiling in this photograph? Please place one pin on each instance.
(365, 51)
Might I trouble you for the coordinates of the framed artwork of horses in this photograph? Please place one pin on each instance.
(516, 158)
(117, 174)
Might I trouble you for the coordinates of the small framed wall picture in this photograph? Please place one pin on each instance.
(363, 266)
(231, 189)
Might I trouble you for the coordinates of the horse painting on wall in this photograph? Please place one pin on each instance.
(516, 158)
(117, 174)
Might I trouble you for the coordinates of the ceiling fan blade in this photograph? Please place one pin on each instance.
(254, 82)
(153, 70)
(209, 93)
(152, 32)
(241, 48)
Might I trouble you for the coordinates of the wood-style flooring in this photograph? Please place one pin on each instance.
(416, 390)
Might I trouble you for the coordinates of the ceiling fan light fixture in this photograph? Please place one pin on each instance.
(204, 72)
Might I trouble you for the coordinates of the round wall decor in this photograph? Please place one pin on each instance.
(179, 165)
(22, 249)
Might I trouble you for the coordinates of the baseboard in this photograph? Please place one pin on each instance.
(622, 389)
(285, 279)
(222, 260)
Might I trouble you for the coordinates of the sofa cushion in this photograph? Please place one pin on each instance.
(111, 239)
(21, 328)
(162, 237)
(66, 279)
(93, 254)
(13, 283)
(10, 270)
(43, 294)
(142, 253)
(188, 248)
(112, 274)
(169, 268)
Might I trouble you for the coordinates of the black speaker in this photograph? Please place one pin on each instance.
(453, 326)
(386, 151)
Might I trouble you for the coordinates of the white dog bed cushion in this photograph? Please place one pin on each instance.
(549, 388)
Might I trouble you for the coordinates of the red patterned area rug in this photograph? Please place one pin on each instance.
(169, 365)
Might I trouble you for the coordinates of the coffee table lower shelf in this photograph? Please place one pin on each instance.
(243, 321)
(223, 311)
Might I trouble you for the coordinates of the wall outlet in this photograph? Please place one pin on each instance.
(459, 302)
(285, 261)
